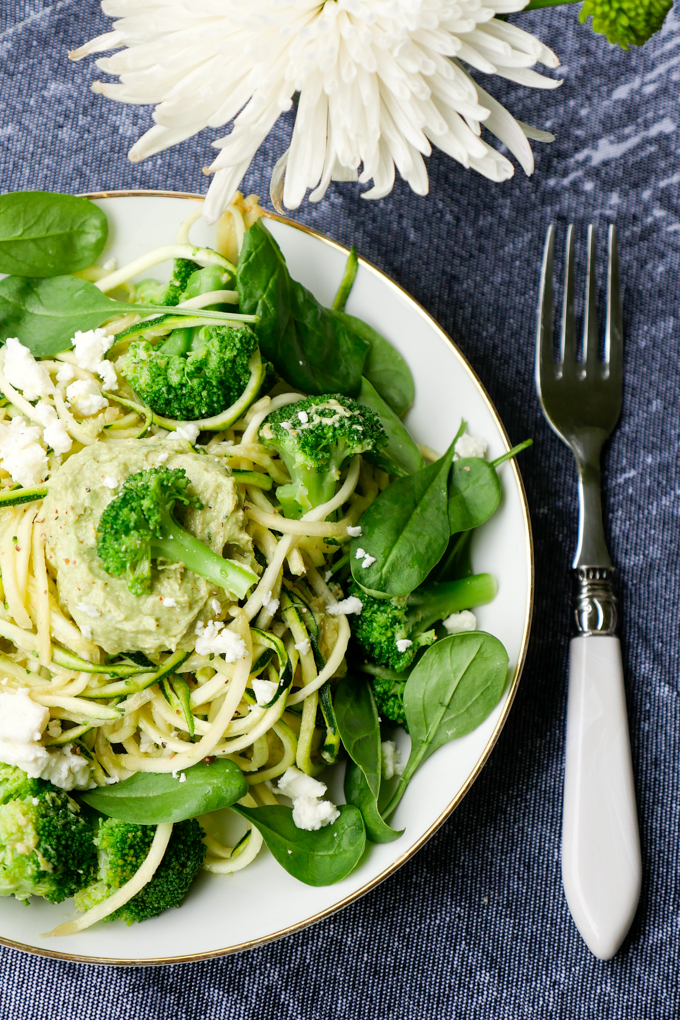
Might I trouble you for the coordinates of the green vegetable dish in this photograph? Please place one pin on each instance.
(225, 567)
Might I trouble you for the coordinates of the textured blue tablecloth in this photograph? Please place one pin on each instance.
(476, 926)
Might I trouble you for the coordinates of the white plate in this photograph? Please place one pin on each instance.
(226, 914)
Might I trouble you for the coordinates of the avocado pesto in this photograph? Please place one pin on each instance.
(226, 567)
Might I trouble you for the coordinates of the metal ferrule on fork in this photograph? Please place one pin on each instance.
(593, 601)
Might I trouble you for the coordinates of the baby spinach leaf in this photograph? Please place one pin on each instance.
(45, 314)
(309, 345)
(406, 529)
(45, 234)
(320, 857)
(359, 793)
(474, 493)
(359, 727)
(384, 366)
(150, 798)
(456, 562)
(401, 455)
(453, 688)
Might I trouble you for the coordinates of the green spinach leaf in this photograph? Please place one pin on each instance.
(453, 688)
(384, 366)
(401, 456)
(150, 798)
(321, 857)
(309, 345)
(359, 727)
(456, 563)
(406, 529)
(45, 314)
(474, 493)
(45, 234)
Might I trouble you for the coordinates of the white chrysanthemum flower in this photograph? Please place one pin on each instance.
(379, 83)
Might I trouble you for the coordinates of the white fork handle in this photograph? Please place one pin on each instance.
(601, 867)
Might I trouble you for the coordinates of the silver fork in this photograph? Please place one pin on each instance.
(581, 400)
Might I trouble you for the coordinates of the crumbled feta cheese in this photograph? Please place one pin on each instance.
(264, 690)
(215, 606)
(35, 801)
(24, 372)
(56, 437)
(22, 722)
(391, 759)
(89, 349)
(86, 631)
(270, 604)
(188, 431)
(303, 646)
(354, 532)
(146, 744)
(213, 638)
(346, 607)
(162, 457)
(66, 373)
(309, 811)
(327, 576)
(294, 783)
(111, 780)
(169, 602)
(303, 416)
(89, 610)
(403, 644)
(312, 814)
(360, 553)
(182, 777)
(54, 728)
(367, 561)
(458, 622)
(110, 483)
(84, 396)
(21, 453)
(471, 446)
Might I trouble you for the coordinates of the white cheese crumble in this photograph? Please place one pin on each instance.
(264, 690)
(354, 532)
(471, 446)
(213, 639)
(66, 373)
(303, 646)
(391, 759)
(162, 457)
(346, 607)
(182, 778)
(22, 723)
(303, 416)
(85, 398)
(24, 372)
(146, 744)
(360, 553)
(367, 561)
(169, 602)
(110, 483)
(86, 631)
(403, 644)
(215, 606)
(309, 811)
(188, 431)
(54, 434)
(458, 622)
(89, 349)
(21, 453)
(89, 610)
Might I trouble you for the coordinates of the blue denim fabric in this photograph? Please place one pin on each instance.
(476, 926)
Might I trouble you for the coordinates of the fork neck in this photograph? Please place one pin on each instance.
(592, 547)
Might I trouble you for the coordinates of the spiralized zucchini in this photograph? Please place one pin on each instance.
(132, 717)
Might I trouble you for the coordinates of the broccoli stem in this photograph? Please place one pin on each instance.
(178, 342)
(308, 489)
(433, 602)
(178, 546)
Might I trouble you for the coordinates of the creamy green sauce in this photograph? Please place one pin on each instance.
(118, 620)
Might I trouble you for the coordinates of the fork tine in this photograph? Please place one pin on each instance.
(544, 333)
(568, 341)
(613, 341)
(590, 338)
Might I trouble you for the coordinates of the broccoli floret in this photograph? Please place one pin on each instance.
(314, 438)
(384, 622)
(626, 22)
(46, 842)
(123, 849)
(151, 292)
(138, 526)
(196, 373)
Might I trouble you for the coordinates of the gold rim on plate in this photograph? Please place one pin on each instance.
(514, 683)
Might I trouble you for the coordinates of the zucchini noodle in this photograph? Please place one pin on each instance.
(125, 721)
